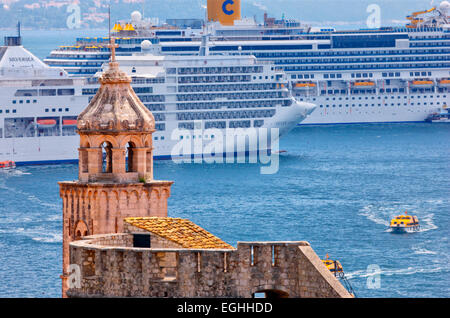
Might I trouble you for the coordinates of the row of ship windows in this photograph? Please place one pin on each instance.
(74, 64)
(24, 101)
(350, 53)
(381, 91)
(152, 98)
(234, 96)
(159, 80)
(429, 37)
(433, 44)
(227, 115)
(223, 125)
(288, 54)
(137, 90)
(156, 107)
(216, 70)
(7, 111)
(214, 79)
(261, 77)
(234, 88)
(45, 92)
(364, 67)
(373, 105)
(379, 97)
(232, 105)
(26, 128)
(364, 60)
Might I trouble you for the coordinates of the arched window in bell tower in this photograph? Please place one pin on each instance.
(107, 159)
(85, 159)
(149, 157)
(131, 157)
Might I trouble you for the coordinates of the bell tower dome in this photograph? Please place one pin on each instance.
(115, 178)
(116, 132)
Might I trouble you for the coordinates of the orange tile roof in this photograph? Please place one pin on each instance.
(181, 231)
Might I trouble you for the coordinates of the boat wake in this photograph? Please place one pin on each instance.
(403, 271)
(419, 250)
(14, 173)
(36, 234)
(428, 225)
(378, 216)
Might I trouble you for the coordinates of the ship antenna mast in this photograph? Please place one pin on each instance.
(109, 21)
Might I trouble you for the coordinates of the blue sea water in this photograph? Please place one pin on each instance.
(337, 188)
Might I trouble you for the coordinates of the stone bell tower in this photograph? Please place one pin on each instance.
(115, 165)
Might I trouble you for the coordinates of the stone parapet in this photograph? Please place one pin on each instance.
(280, 269)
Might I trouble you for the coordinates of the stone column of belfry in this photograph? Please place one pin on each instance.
(115, 127)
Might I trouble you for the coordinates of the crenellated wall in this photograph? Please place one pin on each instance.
(283, 269)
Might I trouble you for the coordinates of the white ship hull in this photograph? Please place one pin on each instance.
(393, 108)
(64, 149)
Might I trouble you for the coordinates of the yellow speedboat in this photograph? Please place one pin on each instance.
(334, 266)
(405, 223)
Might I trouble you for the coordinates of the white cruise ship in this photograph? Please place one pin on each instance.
(391, 74)
(39, 104)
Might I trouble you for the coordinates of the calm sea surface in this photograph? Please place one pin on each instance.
(337, 188)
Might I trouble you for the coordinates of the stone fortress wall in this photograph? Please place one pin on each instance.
(112, 267)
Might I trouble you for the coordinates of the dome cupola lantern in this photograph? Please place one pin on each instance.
(116, 131)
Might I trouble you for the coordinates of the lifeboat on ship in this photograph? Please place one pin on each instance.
(304, 86)
(422, 83)
(46, 123)
(7, 165)
(404, 224)
(69, 123)
(445, 82)
(364, 84)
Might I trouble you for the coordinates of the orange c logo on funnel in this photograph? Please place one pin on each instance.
(225, 5)
(224, 11)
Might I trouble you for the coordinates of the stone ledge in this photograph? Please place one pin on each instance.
(279, 243)
(115, 185)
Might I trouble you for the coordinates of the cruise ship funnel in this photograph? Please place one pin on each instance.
(224, 11)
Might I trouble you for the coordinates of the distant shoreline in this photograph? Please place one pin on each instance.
(51, 29)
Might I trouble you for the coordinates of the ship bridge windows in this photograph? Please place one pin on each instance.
(26, 92)
(47, 92)
(66, 92)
